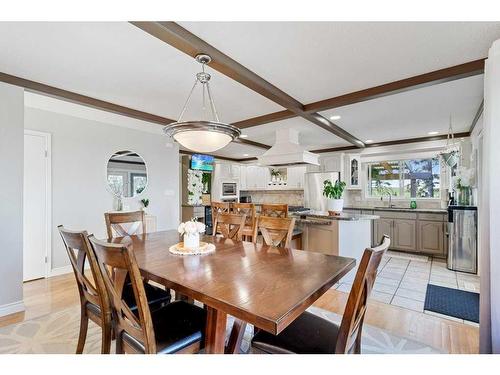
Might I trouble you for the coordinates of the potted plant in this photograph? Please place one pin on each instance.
(334, 191)
(191, 231)
(145, 204)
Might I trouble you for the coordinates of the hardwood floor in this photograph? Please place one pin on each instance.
(45, 296)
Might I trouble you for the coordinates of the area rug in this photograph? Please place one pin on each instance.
(452, 302)
(57, 333)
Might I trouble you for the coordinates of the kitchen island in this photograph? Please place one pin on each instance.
(347, 234)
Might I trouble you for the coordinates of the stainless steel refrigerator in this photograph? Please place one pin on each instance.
(462, 238)
(313, 189)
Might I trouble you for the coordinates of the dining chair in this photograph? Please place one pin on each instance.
(275, 231)
(94, 302)
(94, 299)
(311, 334)
(249, 210)
(116, 226)
(218, 207)
(274, 210)
(177, 327)
(120, 224)
(229, 225)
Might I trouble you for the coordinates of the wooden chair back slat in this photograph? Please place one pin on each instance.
(229, 225)
(78, 249)
(247, 209)
(349, 338)
(218, 207)
(115, 223)
(121, 260)
(274, 210)
(275, 231)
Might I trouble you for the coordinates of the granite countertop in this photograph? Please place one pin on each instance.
(401, 209)
(325, 215)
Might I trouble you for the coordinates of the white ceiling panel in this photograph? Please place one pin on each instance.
(310, 136)
(117, 62)
(414, 113)
(312, 61)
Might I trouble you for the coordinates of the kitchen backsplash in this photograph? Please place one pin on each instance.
(354, 198)
(290, 197)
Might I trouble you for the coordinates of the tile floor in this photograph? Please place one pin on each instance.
(403, 282)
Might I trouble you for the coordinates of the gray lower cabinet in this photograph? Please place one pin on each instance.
(424, 233)
(404, 236)
(380, 228)
(431, 238)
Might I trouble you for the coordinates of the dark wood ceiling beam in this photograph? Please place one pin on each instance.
(393, 143)
(428, 79)
(265, 119)
(82, 99)
(180, 38)
(248, 142)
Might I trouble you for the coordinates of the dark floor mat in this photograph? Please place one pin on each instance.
(452, 302)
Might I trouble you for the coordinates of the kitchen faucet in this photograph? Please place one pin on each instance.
(390, 198)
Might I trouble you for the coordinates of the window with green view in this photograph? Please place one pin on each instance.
(414, 178)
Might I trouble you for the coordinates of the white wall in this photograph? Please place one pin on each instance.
(80, 150)
(11, 198)
(489, 338)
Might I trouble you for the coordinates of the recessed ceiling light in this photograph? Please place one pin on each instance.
(335, 117)
(433, 133)
(245, 154)
(244, 136)
(369, 141)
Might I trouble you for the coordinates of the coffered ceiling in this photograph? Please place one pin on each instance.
(119, 63)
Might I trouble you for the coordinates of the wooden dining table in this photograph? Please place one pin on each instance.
(265, 286)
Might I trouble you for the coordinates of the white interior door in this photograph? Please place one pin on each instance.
(36, 207)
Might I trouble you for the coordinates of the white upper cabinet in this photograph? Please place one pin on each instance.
(295, 177)
(333, 163)
(353, 175)
(243, 177)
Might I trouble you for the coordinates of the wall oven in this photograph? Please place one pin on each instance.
(229, 189)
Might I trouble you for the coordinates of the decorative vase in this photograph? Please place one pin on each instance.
(464, 195)
(335, 205)
(192, 241)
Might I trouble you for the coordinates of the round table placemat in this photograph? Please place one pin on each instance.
(179, 249)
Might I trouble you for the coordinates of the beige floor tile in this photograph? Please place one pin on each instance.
(384, 280)
(471, 323)
(408, 303)
(384, 288)
(446, 285)
(412, 294)
(468, 286)
(391, 275)
(417, 275)
(380, 296)
(444, 280)
(467, 277)
(421, 287)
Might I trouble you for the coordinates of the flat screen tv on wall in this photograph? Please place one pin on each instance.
(202, 162)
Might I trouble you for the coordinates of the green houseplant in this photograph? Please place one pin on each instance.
(334, 192)
(145, 203)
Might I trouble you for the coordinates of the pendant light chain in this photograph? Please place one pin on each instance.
(187, 100)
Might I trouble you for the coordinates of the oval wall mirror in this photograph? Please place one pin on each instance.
(126, 174)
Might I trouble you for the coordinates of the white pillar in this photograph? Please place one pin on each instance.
(490, 213)
(11, 198)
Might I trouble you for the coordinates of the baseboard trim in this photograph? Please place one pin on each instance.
(11, 308)
(61, 270)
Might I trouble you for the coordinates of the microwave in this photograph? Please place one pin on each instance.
(229, 189)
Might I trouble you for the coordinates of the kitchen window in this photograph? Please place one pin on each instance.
(405, 179)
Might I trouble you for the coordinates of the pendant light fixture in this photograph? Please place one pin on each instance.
(202, 135)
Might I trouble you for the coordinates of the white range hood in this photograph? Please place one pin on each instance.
(287, 151)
